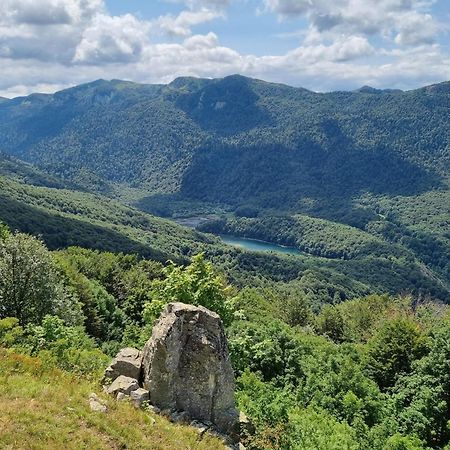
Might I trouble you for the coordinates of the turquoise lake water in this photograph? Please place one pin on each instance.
(258, 246)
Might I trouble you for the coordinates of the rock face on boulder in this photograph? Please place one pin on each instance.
(186, 366)
(127, 362)
(123, 384)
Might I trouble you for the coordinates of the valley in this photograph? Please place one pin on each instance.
(316, 225)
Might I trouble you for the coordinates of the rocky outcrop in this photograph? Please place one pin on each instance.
(186, 367)
(127, 362)
(183, 373)
(139, 396)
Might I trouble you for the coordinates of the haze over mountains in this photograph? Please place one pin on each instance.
(374, 164)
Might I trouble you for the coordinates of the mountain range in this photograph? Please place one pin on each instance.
(354, 179)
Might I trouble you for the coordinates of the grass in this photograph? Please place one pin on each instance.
(45, 408)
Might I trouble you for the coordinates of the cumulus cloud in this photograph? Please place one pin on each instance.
(405, 20)
(67, 42)
(111, 40)
(181, 25)
(48, 12)
(344, 49)
(68, 31)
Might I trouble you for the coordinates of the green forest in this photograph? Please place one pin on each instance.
(345, 345)
(369, 373)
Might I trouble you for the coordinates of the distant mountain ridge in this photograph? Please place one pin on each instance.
(130, 133)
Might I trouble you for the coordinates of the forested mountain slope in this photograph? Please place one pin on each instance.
(376, 161)
(357, 181)
(237, 140)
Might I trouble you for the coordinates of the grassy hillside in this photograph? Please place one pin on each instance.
(65, 217)
(44, 408)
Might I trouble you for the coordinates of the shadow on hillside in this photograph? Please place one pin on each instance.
(275, 177)
(60, 232)
(161, 205)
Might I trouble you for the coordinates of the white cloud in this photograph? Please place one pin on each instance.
(48, 12)
(107, 39)
(69, 31)
(340, 51)
(181, 25)
(405, 20)
(416, 29)
(67, 42)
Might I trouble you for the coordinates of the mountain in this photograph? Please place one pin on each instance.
(368, 169)
(236, 140)
(357, 182)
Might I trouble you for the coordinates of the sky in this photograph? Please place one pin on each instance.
(322, 45)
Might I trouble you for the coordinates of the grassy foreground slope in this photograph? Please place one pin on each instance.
(44, 408)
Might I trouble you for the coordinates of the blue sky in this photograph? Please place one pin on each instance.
(323, 45)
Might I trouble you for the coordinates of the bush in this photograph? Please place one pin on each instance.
(29, 284)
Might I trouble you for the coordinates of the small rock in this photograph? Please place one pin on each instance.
(96, 405)
(139, 396)
(243, 428)
(246, 426)
(223, 437)
(180, 417)
(93, 396)
(154, 409)
(238, 446)
(200, 427)
(127, 363)
(166, 413)
(121, 396)
(123, 384)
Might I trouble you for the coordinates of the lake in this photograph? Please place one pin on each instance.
(258, 246)
(253, 245)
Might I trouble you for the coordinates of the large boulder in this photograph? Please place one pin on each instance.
(127, 362)
(186, 366)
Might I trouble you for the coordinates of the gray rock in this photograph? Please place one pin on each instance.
(180, 417)
(200, 427)
(123, 384)
(127, 362)
(246, 426)
(96, 404)
(243, 428)
(139, 396)
(238, 446)
(154, 409)
(186, 366)
(121, 397)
